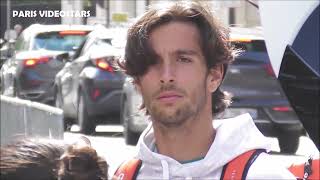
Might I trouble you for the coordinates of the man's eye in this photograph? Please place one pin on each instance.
(184, 59)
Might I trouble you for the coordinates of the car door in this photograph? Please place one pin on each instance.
(75, 69)
(65, 85)
(72, 74)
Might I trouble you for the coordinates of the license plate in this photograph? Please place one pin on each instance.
(232, 112)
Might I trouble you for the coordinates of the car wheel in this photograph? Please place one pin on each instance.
(131, 138)
(58, 103)
(86, 124)
(67, 123)
(1, 85)
(289, 142)
(15, 92)
(4, 89)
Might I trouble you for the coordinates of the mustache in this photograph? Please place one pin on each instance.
(168, 87)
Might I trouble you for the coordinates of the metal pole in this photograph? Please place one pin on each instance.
(107, 13)
(135, 9)
(8, 18)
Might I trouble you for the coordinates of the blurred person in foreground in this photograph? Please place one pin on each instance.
(43, 159)
(178, 54)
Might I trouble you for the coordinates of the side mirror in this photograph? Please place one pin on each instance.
(75, 48)
(64, 57)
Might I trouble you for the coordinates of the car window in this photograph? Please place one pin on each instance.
(252, 46)
(58, 42)
(92, 41)
(86, 46)
(252, 50)
(79, 50)
(99, 45)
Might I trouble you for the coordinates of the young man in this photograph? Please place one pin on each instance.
(178, 55)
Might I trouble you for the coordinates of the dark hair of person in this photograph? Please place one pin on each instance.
(139, 55)
(43, 159)
(82, 164)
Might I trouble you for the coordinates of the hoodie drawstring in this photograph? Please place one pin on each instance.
(165, 169)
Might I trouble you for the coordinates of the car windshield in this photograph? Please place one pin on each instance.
(57, 41)
(252, 46)
(252, 50)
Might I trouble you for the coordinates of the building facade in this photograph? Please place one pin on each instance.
(119, 12)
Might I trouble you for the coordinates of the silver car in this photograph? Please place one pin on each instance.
(90, 86)
(40, 52)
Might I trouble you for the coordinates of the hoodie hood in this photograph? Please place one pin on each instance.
(234, 136)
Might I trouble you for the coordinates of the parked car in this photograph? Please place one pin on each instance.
(40, 52)
(252, 82)
(90, 86)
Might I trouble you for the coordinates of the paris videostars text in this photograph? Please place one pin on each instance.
(50, 13)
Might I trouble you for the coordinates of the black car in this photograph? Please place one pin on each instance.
(90, 86)
(40, 52)
(253, 84)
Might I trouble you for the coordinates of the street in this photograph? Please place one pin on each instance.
(109, 143)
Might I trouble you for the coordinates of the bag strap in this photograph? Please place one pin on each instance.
(309, 170)
(128, 170)
(238, 168)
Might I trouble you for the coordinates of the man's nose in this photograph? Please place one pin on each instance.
(167, 73)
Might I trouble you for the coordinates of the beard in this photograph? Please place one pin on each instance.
(178, 114)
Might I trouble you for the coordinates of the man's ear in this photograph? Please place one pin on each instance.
(214, 78)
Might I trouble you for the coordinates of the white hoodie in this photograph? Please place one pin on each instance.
(233, 137)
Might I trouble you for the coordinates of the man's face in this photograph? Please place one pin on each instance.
(179, 86)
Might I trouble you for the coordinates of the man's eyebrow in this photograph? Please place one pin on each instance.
(186, 52)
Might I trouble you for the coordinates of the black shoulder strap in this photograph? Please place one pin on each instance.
(238, 168)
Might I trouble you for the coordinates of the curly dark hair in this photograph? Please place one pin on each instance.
(47, 159)
(139, 55)
(82, 163)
